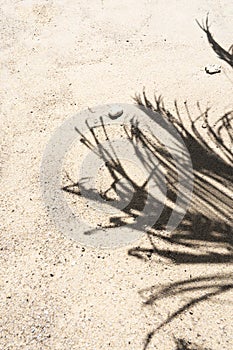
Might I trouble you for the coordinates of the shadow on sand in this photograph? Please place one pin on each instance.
(205, 234)
(227, 56)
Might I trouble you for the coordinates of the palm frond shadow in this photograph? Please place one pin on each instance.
(182, 344)
(205, 233)
(206, 287)
(227, 56)
(208, 223)
(204, 236)
(212, 166)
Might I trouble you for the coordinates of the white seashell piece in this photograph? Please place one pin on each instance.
(212, 68)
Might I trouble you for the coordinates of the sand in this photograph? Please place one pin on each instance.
(57, 59)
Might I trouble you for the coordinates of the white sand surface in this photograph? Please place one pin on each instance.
(57, 59)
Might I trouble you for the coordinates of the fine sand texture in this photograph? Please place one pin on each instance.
(167, 290)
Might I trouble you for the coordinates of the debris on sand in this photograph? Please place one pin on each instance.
(213, 68)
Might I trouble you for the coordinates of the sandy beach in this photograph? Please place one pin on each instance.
(167, 291)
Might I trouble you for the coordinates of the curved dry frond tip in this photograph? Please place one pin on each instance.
(137, 98)
(226, 55)
(230, 50)
(204, 26)
(147, 102)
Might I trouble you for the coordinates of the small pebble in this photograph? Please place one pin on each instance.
(115, 112)
(212, 68)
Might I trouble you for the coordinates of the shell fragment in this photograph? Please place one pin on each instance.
(212, 68)
(115, 112)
